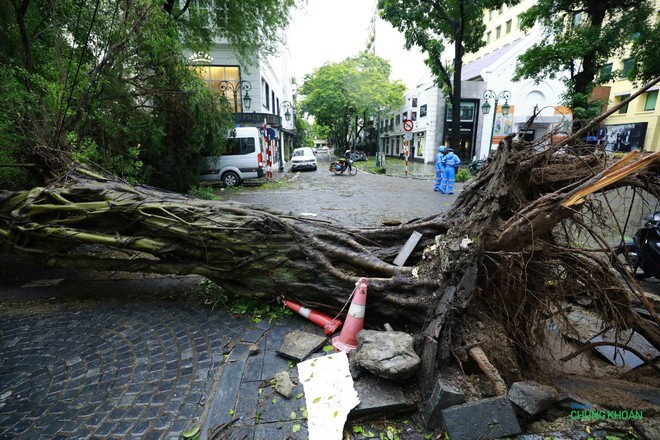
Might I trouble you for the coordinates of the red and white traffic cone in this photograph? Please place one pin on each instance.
(329, 324)
(347, 339)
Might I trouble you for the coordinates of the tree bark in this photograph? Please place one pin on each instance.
(502, 249)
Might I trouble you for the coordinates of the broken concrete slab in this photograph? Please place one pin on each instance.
(620, 356)
(445, 394)
(379, 396)
(298, 345)
(532, 397)
(488, 418)
(390, 355)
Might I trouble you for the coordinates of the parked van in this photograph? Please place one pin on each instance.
(241, 158)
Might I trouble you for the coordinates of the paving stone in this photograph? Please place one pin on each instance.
(281, 431)
(378, 396)
(276, 408)
(488, 418)
(444, 395)
(298, 345)
(273, 363)
(532, 397)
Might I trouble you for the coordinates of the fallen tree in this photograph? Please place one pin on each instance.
(503, 255)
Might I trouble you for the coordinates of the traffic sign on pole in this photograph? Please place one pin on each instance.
(408, 125)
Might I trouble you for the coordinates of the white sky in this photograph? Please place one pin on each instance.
(332, 30)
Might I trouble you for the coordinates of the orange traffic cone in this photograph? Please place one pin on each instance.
(347, 339)
(329, 324)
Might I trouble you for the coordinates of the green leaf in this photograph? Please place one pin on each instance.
(328, 348)
(293, 415)
(335, 414)
(231, 412)
(296, 427)
(317, 400)
(191, 432)
(299, 395)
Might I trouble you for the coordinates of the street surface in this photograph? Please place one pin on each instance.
(363, 200)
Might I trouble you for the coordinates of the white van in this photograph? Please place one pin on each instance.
(240, 159)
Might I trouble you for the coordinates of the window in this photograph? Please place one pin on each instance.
(606, 72)
(272, 96)
(267, 94)
(520, 20)
(508, 26)
(627, 65)
(413, 116)
(414, 102)
(623, 110)
(405, 115)
(422, 111)
(651, 100)
(490, 15)
(237, 146)
(498, 32)
(398, 119)
(577, 19)
(488, 37)
(277, 108)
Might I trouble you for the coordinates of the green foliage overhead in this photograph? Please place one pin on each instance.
(106, 83)
(430, 25)
(338, 93)
(252, 27)
(580, 38)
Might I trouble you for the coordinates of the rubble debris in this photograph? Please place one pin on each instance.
(379, 396)
(445, 394)
(487, 418)
(386, 354)
(532, 397)
(298, 345)
(329, 395)
(282, 384)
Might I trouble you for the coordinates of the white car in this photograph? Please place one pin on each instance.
(303, 159)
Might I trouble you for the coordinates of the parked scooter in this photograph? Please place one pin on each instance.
(475, 165)
(643, 252)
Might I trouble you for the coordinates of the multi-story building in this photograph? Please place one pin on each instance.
(261, 93)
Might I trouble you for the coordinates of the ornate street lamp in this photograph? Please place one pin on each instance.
(234, 87)
(287, 106)
(485, 108)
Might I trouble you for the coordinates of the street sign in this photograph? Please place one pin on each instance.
(408, 125)
(407, 136)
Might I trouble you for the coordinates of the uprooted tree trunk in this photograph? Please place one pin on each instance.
(504, 248)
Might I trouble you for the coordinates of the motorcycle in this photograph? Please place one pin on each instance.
(643, 252)
(476, 165)
(343, 165)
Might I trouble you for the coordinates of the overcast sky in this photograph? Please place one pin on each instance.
(332, 30)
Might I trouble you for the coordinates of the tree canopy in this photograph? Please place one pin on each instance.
(580, 39)
(430, 25)
(357, 87)
(107, 83)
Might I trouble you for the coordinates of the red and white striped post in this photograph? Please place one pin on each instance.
(406, 158)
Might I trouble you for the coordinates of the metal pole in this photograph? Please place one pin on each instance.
(378, 142)
(492, 128)
(235, 91)
(355, 136)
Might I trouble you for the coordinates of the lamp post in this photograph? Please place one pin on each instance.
(485, 108)
(234, 87)
(287, 106)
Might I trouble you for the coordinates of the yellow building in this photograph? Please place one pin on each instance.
(632, 127)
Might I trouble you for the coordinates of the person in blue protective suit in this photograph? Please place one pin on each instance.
(449, 164)
(438, 167)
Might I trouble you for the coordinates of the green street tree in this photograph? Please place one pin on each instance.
(107, 83)
(430, 25)
(581, 37)
(337, 94)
